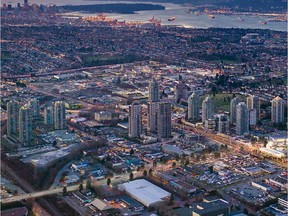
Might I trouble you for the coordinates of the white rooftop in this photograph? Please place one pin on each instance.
(145, 192)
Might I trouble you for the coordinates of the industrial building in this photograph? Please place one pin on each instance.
(145, 192)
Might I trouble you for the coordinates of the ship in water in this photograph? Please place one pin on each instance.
(211, 16)
(171, 18)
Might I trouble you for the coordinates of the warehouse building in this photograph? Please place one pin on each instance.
(145, 192)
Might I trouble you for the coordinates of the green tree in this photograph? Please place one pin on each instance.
(64, 191)
(108, 181)
(54, 143)
(144, 173)
(187, 162)
(155, 163)
(88, 184)
(174, 164)
(132, 151)
(80, 187)
(211, 170)
(150, 171)
(217, 155)
(131, 176)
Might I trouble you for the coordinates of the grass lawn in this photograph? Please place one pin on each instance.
(222, 101)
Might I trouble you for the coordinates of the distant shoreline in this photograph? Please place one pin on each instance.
(120, 8)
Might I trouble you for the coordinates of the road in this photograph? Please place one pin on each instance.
(57, 72)
(26, 187)
(35, 194)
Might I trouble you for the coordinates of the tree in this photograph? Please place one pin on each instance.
(80, 187)
(211, 170)
(144, 173)
(155, 163)
(54, 143)
(64, 191)
(203, 157)
(217, 155)
(132, 151)
(174, 164)
(187, 162)
(150, 171)
(88, 184)
(171, 199)
(131, 176)
(108, 181)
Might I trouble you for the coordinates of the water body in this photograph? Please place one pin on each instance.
(188, 20)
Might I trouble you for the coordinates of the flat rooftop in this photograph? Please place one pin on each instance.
(144, 191)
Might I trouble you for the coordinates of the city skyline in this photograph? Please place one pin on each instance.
(167, 108)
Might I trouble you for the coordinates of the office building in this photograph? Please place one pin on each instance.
(181, 92)
(277, 110)
(193, 107)
(253, 102)
(135, 120)
(59, 115)
(152, 117)
(164, 119)
(233, 105)
(222, 123)
(35, 108)
(12, 117)
(25, 125)
(48, 115)
(242, 118)
(207, 109)
(153, 91)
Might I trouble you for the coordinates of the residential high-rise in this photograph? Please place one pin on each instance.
(48, 115)
(152, 117)
(233, 105)
(253, 102)
(242, 118)
(59, 115)
(193, 106)
(35, 108)
(181, 92)
(25, 125)
(222, 123)
(153, 91)
(164, 119)
(135, 120)
(207, 109)
(277, 110)
(252, 117)
(12, 117)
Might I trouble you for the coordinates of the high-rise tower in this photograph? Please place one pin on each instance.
(59, 115)
(48, 115)
(193, 107)
(152, 117)
(253, 102)
(25, 125)
(277, 110)
(233, 105)
(35, 108)
(242, 118)
(12, 117)
(135, 120)
(207, 109)
(164, 119)
(153, 91)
